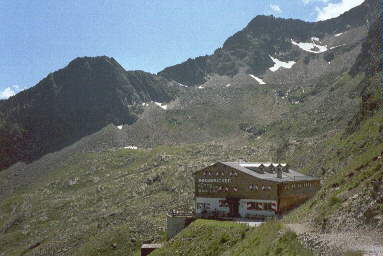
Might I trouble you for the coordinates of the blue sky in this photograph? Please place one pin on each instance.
(39, 37)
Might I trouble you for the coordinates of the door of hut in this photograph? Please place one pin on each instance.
(233, 207)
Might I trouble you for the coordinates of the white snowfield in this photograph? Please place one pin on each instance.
(119, 127)
(336, 35)
(337, 46)
(131, 147)
(201, 87)
(228, 85)
(259, 80)
(182, 85)
(161, 105)
(280, 64)
(311, 47)
(145, 104)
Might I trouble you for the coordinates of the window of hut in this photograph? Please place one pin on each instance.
(259, 206)
(264, 187)
(223, 203)
(250, 205)
(253, 187)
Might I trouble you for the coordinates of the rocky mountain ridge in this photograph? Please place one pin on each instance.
(78, 100)
(250, 50)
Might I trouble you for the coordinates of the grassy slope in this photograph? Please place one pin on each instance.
(352, 165)
(204, 237)
(96, 199)
(349, 188)
(91, 201)
(120, 196)
(349, 159)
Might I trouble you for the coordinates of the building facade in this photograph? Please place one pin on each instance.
(250, 190)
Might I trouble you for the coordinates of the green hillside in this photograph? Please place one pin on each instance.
(351, 159)
(352, 167)
(90, 201)
(110, 201)
(212, 238)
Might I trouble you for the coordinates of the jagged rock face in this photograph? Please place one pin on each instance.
(80, 99)
(249, 50)
(369, 62)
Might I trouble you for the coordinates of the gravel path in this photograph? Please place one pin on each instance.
(369, 243)
(251, 223)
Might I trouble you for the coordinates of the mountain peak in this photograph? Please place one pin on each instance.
(94, 61)
(75, 101)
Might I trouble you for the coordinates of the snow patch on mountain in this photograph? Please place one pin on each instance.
(311, 47)
(228, 85)
(182, 85)
(337, 46)
(259, 80)
(161, 105)
(119, 127)
(131, 147)
(339, 34)
(201, 87)
(280, 64)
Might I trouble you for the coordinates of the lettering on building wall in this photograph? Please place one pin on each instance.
(217, 180)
